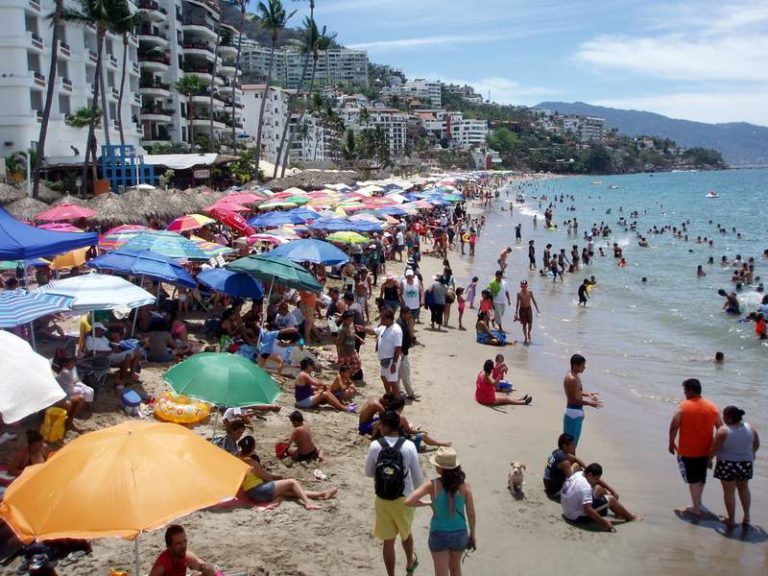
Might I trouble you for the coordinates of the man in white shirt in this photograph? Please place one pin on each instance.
(389, 351)
(393, 517)
(127, 360)
(399, 244)
(584, 499)
(412, 293)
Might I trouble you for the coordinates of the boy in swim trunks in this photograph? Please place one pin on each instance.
(524, 311)
(342, 386)
(369, 414)
(306, 449)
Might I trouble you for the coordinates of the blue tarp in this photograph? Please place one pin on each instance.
(19, 241)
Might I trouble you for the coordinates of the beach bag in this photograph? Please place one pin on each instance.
(389, 476)
(54, 424)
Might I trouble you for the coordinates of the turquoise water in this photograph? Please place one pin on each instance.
(642, 340)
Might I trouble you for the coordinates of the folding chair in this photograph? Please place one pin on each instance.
(94, 370)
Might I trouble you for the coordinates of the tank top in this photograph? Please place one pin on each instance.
(391, 293)
(442, 518)
(737, 446)
(251, 481)
(696, 427)
(302, 391)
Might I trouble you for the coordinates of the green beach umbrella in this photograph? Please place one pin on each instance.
(223, 379)
(277, 204)
(276, 270)
(347, 238)
(298, 200)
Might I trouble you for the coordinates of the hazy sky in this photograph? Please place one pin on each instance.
(695, 59)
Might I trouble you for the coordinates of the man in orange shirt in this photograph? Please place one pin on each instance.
(693, 426)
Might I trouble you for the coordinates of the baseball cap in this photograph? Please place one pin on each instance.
(99, 325)
(409, 272)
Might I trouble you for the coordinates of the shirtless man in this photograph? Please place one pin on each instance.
(576, 398)
(368, 423)
(306, 449)
(523, 310)
(503, 258)
(414, 433)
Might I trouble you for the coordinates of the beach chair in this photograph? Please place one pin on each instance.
(94, 370)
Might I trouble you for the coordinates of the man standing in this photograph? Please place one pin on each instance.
(576, 398)
(693, 426)
(524, 311)
(175, 559)
(531, 255)
(406, 325)
(500, 291)
(389, 350)
(394, 464)
(411, 293)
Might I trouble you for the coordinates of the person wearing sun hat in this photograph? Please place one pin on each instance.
(452, 528)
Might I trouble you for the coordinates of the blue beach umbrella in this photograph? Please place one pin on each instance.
(144, 263)
(315, 251)
(301, 215)
(271, 220)
(19, 307)
(166, 243)
(237, 284)
(331, 224)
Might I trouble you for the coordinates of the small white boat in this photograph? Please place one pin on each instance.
(613, 187)
(712, 195)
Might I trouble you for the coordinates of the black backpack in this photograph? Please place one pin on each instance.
(389, 478)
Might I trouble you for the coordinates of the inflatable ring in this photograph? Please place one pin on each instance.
(465, 237)
(180, 409)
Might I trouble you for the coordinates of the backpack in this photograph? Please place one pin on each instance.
(389, 477)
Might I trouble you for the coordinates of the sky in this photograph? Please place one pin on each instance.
(699, 60)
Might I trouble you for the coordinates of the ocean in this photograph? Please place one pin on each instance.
(641, 340)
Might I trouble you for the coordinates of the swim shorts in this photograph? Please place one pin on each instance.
(456, 541)
(525, 315)
(262, 493)
(393, 518)
(729, 470)
(693, 468)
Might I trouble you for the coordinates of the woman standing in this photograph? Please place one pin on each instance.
(452, 528)
(735, 445)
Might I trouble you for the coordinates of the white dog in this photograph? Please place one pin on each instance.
(516, 479)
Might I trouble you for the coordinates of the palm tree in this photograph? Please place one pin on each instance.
(272, 17)
(292, 101)
(80, 119)
(242, 5)
(212, 140)
(190, 86)
(55, 18)
(124, 27)
(316, 41)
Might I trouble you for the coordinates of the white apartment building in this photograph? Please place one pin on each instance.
(392, 121)
(335, 66)
(591, 129)
(419, 88)
(460, 132)
(25, 56)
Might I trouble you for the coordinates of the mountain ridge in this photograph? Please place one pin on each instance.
(742, 144)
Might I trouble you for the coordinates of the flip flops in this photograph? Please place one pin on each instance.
(412, 569)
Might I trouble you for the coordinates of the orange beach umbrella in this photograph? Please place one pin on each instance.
(119, 482)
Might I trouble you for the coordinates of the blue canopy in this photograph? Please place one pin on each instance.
(19, 241)
(315, 251)
(144, 263)
(331, 224)
(271, 220)
(392, 211)
(233, 283)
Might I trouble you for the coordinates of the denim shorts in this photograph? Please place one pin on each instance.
(262, 493)
(454, 541)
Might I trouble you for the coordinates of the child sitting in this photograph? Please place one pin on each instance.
(342, 386)
(306, 449)
(499, 374)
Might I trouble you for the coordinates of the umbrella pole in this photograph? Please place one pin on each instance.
(264, 315)
(32, 335)
(136, 561)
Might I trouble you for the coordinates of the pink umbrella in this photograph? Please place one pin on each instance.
(60, 227)
(65, 212)
(241, 198)
(270, 238)
(229, 206)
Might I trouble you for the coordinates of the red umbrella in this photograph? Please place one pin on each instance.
(65, 212)
(228, 206)
(231, 219)
(60, 227)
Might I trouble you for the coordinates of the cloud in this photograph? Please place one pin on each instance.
(700, 106)
(407, 43)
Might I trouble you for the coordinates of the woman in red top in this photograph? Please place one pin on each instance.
(485, 393)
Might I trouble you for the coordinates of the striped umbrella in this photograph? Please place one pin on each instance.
(189, 222)
(98, 292)
(211, 249)
(114, 238)
(19, 307)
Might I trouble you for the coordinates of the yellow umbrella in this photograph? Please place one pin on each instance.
(71, 259)
(119, 482)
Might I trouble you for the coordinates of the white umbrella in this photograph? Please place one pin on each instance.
(99, 292)
(27, 385)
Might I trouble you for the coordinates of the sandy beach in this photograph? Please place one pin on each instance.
(515, 534)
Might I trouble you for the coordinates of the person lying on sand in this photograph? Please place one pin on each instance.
(306, 449)
(263, 487)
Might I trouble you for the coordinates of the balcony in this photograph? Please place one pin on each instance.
(227, 68)
(152, 11)
(228, 50)
(35, 6)
(93, 56)
(64, 50)
(157, 89)
(134, 68)
(114, 93)
(200, 27)
(38, 80)
(155, 63)
(153, 37)
(137, 98)
(36, 41)
(157, 114)
(66, 84)
(112, 61)
(204, 73)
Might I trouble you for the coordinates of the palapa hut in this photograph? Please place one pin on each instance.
(44, 193)
(26, 208)
(315, 179)
(9, 194)
(111, 210)
(140, 203)
(67, 199)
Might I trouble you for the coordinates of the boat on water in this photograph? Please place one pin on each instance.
(596, 182)
(613, 187)
(713, 194)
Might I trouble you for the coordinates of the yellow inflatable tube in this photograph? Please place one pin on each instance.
(180, 409)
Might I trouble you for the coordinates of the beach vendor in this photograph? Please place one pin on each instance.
(175, 559)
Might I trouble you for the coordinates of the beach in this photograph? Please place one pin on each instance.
(514, 534)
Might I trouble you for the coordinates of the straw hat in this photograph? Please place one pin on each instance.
(445, 458)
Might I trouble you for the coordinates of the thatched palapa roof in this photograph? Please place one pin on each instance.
(26, 208)
(111, 210)
(9, 194)
(44, 193)
(67, 199)
(315, 179)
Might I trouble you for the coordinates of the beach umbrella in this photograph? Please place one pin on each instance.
(315, 251)
(233, 283)
(13, 264)
(189, 222)
(211, 249)
(301, 215)
(60, 227)
(27, 385)
(241, 198)
(19, 307)
(116, 237)
(347, 238)
(232, 219)
(65, 212)
(223, 379)
(76, 257)
(274, 204)
(26, 208)
(271, 220)
(330, 224)
(270, 238)
(144, 263)
(228, 206)
(275, 269)
(166, 243)
(120, 481)
(365, 217)
(99, 292)
(298, 200)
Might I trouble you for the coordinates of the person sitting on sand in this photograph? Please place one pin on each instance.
(78, 394)
(342, 386)
(414, 433)
(561, 464)
(306, 449)
(485, 392)
(369, 414)
(584, 500)
(484, 334)
(310, 393)
(267, 344)
(235, 429)
(175, 559)
(263, 487)
(35, 451)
